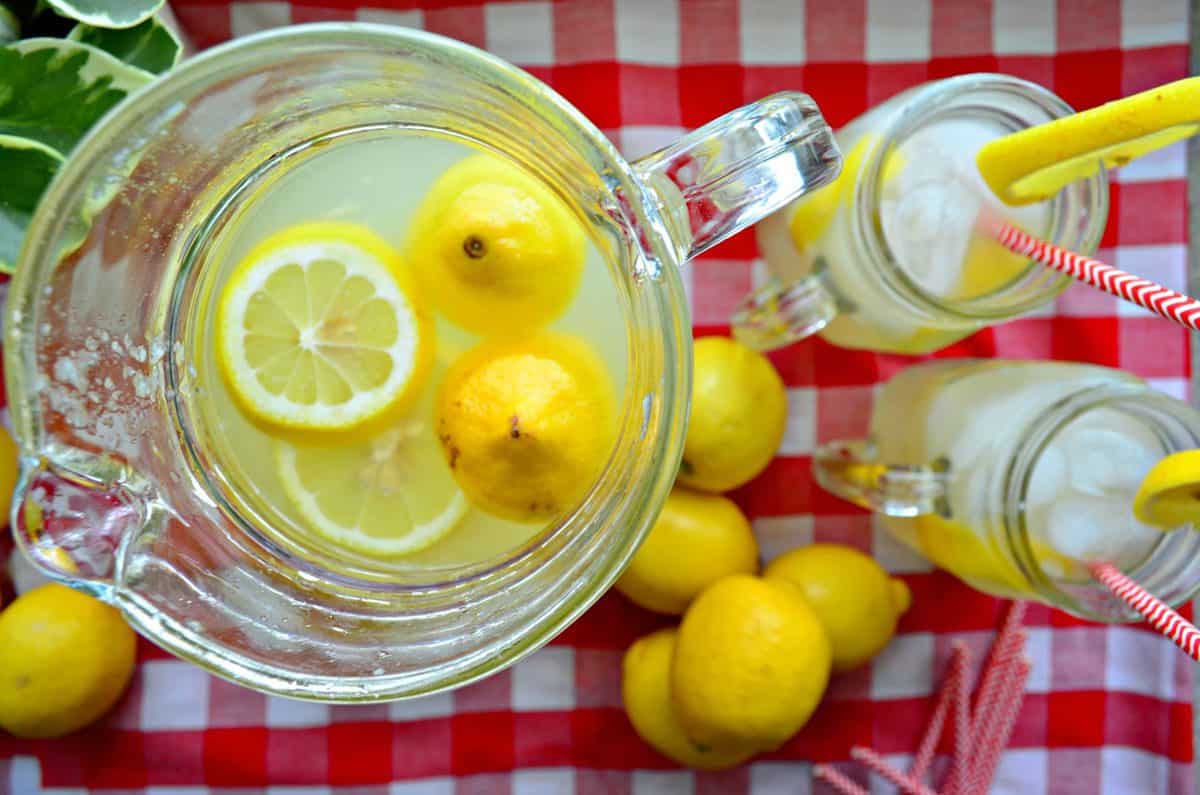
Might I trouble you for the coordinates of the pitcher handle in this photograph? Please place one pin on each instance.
(852, 471)
(740, 168)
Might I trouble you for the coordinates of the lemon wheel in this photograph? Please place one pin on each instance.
(1169, 495)
(317, 329)
(1034, 164)
(386, 497)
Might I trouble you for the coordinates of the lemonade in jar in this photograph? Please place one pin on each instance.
(890, 256)
(1015, 476)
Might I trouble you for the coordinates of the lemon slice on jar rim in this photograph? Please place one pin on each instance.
(1035, 163)
(1169, 495)
(318, 329)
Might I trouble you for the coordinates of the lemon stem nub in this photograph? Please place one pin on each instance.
(474, 247)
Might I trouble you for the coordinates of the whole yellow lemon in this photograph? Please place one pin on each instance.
(855, 599)
(526, 424)
(645, 689)
(739, 409)
(697, 540)
(495, 248)
(65, 659)
(751, 664)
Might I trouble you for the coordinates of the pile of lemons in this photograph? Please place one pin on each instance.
(752, 656)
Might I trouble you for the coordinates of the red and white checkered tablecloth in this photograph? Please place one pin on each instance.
(1108, 710)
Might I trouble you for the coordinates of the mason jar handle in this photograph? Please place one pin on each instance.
(852, 471)
(740, 168)
(778, 314)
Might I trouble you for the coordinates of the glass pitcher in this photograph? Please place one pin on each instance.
(1013, 476)
(120, 496)
(887, 259)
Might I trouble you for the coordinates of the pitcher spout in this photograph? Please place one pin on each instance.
(72, 527)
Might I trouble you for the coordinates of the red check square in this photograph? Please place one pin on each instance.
(360, 753)
(1075, 719)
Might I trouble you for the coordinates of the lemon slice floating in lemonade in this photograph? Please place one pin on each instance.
(318, 330)
(1034, 164)
(1169, 495)
(815, 212)
(380, 497)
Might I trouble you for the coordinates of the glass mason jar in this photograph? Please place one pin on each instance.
(887, 257)
(1013, 476)
(120, 492)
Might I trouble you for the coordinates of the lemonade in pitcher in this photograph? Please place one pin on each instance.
(1015, 476)
(352, 363)
(415, 353)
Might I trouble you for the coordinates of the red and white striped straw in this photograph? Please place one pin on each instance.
(992, 738)
(960, 705)
(953, 687)
(1172, 305)
(992, 693)
(878, 764)
(838, 780)
(1007, 647)
(1155, 611)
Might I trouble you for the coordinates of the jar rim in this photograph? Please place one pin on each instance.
(1091, 194)
(1177, 424)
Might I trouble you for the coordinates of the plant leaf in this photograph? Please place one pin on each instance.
(150, 45)
(27, 166)
(107, 13)
(53, 90)
(37, 20)
(10, 26)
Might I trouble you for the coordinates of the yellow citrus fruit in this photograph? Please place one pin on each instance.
(964, 553)
(751, 664)
(812, 214)
(65, 659)
(969, 556)
(987, 268)
(526, 424)
(1034, 164)
(854, 598)
(739, 409)
(697, 540)
(381, 496)
(645, 689)
(495, 248)
(1169, 495)
(318, 329)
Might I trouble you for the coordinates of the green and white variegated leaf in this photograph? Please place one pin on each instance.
(10, 26)
(54, 90)
(27, 166)
(150, 45)
(107, 13)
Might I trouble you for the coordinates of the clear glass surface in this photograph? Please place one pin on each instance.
(121, 493)
(1014, 475)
